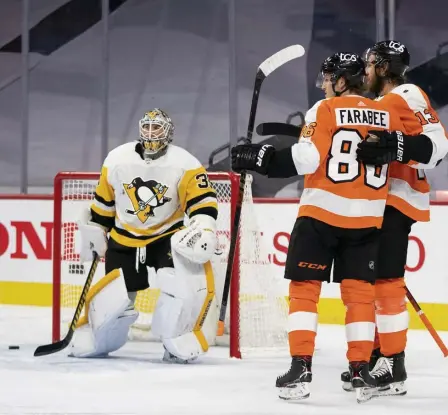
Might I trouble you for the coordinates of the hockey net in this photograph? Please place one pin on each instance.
(256, 317)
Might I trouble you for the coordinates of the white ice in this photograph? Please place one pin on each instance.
(135, 381)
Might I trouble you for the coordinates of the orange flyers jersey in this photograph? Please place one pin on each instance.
(339, 190)
(408, 187)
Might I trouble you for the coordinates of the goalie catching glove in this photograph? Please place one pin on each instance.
(93, 237)
(198, 241)
(382, 147)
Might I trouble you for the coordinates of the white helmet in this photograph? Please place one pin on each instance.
(156, 132)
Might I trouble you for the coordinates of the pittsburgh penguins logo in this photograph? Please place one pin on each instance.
(145, 197)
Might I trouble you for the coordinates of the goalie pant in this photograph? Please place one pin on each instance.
(184, 305)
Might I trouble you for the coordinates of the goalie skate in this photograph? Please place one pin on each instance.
(170, 358)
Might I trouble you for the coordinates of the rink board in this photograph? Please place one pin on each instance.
(26, 251)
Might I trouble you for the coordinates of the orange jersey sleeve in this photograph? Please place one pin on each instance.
(409, 189)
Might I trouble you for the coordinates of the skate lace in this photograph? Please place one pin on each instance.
(302, 362)
(383, 365)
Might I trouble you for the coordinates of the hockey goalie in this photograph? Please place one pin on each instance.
(147, 188)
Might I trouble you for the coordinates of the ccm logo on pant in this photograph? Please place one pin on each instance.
(302, 264)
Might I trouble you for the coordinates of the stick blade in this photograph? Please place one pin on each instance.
(281, 57)
(51, 348)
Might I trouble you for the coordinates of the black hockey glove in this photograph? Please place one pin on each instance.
(383, 147)
(253, 157)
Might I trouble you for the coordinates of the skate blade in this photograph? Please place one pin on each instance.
(394, 389)
(365, 394)
(294, 392)
(348, 387)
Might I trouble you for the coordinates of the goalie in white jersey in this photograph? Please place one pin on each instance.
(145, 190)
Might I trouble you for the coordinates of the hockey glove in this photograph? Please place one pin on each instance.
(254, 157)
(93, 237)
(382, 147)
(198, 241)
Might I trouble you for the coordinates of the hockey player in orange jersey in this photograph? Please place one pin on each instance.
(422, 145)
(340, 213)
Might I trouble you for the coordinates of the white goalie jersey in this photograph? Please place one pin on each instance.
(138, 202)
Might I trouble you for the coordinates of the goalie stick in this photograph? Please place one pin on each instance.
(263, 71)
(62, 344)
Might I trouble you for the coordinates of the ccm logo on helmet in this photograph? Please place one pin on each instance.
(396, 46)
(347, 57)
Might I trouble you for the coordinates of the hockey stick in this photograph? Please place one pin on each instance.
(278, 128)
(62, 344)
(426, 322)
(263, 71)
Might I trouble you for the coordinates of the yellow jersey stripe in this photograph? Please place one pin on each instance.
(177, 216)
(193, 184)
(104, 190)
(194, 208)
(137, 243)
(102, 212)
(102, 206)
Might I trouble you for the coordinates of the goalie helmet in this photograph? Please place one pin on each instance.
(345, 65)
(156, 132)
(394, 53)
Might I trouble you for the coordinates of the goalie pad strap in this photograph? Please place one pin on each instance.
(197, 329)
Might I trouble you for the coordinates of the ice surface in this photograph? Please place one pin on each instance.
(135, 381)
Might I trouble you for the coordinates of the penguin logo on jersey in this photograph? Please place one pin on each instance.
(145, 197)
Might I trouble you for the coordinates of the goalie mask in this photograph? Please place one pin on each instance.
(156, 132)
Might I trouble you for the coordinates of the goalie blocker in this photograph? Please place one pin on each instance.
(187, 300)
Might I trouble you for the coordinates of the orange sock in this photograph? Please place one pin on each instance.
(359, 299)
(302, 319)
(392, 317)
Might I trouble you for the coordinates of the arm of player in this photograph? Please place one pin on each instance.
(432, 131)
(198, 241)
(424, 150)
(302, 158)
(103, 205)
(95, 222)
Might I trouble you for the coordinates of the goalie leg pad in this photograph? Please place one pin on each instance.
(109, 314)
(187, 294)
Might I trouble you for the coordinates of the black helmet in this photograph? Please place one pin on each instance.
(394, 53)
(350, 66)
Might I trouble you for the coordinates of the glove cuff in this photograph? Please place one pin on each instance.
(204, 222)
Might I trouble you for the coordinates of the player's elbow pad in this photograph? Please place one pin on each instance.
(282, 164)
(306, 157)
